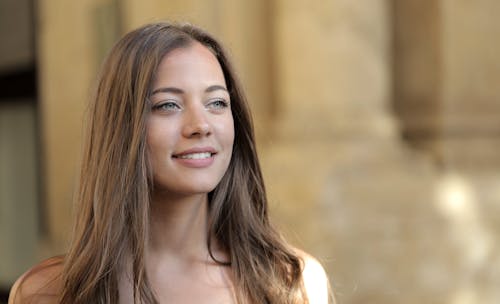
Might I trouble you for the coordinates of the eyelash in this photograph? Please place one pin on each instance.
(219, 103)
(162, 106)
(170, 106)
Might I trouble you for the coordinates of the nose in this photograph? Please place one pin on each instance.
(196, 123)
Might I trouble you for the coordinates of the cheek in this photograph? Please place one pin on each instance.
(228, 130)
(151, 144)
(159, 145)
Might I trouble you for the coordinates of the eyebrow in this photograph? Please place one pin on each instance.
(175, 90)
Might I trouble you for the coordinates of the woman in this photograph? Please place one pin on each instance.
(171, 204)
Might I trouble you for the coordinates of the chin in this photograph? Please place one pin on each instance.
(201, 190)
(187, 190)
(187, 184)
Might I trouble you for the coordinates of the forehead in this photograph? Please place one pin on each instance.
(193, 62)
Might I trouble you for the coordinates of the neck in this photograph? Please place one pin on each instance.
(179, 225)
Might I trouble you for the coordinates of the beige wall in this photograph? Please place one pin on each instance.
(331, 82)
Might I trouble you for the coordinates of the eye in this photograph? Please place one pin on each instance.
(167, 106)
(218, 104)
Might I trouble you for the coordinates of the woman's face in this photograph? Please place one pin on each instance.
(190, 130)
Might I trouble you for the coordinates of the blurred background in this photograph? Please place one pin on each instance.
(378, 127)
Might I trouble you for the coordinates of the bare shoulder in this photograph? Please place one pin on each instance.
(40, 284)
(315, 279)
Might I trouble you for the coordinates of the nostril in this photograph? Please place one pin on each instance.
(197, 130)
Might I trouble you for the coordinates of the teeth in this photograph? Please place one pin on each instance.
(196, 155)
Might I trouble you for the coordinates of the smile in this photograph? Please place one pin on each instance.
(196, 158)
(201, 155)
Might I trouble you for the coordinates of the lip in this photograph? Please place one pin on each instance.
(195, 150)
(195, 163)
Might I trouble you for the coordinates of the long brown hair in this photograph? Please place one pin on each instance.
(111, 228)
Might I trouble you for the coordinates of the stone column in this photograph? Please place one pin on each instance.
(417, 70)
(469, 138)
(447, 77)
(331, 58)
(388, 224)
(342, 181)
(470, 89)
(70, 43)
